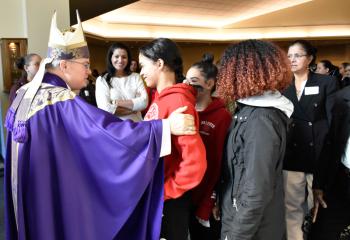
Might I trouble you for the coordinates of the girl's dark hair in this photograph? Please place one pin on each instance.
(207, 67)
(308, 48)
(168, 51)
(110, 68)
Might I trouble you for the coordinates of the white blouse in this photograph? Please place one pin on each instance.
(122, 88)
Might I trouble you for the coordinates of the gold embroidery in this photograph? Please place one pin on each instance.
(49, 95)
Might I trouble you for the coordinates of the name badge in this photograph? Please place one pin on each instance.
(312, 90)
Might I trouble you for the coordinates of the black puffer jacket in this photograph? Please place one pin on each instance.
(252, 196)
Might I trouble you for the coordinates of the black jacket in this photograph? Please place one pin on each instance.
(88, 93)
(252, 190)
(310, 122)
(336, 141)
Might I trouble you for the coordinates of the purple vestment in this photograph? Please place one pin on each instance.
(83, 173)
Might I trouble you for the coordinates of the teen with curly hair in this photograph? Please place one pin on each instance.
(253, 73)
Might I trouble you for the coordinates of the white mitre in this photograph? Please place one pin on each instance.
(67, 45)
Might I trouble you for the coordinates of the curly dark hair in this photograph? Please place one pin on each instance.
(250, 68)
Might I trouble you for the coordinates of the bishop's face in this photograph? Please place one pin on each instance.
(77, 72)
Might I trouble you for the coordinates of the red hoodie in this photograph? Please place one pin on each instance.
(185, 167)
(215, 121)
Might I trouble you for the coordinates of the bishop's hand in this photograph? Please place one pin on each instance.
(180, 123)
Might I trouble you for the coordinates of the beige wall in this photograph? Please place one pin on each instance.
(193, 53)
(12, 19)
(97, 56)
(337, 51)
(29, 19)
(39, 13)
(12, 25)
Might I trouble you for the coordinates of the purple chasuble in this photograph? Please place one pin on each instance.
(83, 174)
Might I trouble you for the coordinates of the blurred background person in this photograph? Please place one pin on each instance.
(347, 71)
(332, 177)
(120, 91)
(342, 68)
(134, 66)
(345, 75)
(29, 65)
(88, 92)
(214, 121)
(253, 73)
(325, 67)
(312, 97)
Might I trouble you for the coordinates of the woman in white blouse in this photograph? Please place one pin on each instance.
(120, 91)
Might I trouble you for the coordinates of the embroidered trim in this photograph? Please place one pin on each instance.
(49, 95)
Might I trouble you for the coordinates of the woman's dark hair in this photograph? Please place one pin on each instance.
(24, 61)
(328, 64)
(110, 68)
(207, 67)
(345, 64)
(252, 67)
(308, 48)
(168, 51)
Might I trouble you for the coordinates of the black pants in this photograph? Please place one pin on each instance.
(200, 232)
(331, 221)
(176, 215)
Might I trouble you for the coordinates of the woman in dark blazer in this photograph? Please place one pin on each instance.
(312, 96)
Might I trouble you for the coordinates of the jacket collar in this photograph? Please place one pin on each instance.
(270, 99)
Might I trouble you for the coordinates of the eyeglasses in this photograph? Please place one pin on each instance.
(86, 65)
(296, 56)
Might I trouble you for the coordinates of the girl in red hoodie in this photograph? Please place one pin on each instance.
(215, 121)
(184, 169)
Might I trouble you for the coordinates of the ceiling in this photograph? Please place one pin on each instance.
(224, 20)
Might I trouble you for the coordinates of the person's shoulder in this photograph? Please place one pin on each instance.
(272, 114)
(49, 95)
(322, 78)
(55, 93)
(135, 76)
(174, 100)
(178, 99)
(225, 114)
(343, 94)
(101, 79)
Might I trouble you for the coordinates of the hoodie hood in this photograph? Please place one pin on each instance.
(216, 104)
(182, 88)
(270, 99)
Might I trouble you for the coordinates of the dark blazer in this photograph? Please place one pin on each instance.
(310, 122)
(335, 145)
(252, 188)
